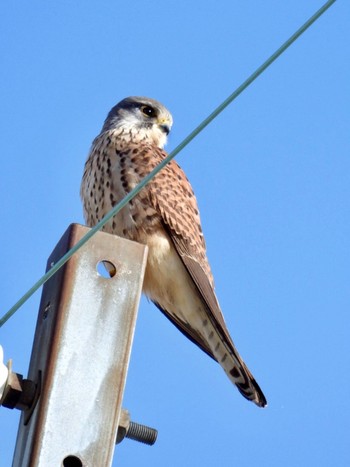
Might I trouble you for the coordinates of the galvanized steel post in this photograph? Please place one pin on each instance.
(81, 353)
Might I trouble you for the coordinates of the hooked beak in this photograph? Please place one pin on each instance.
(164, 125)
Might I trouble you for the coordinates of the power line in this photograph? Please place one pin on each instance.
(159, 167)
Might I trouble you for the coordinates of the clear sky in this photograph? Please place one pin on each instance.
(271, 175)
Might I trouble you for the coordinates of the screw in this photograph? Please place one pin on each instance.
(136, 431)
(142, 433)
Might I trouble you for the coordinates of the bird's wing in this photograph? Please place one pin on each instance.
(171, 195)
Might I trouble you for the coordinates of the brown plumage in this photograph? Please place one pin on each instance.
(164, 215)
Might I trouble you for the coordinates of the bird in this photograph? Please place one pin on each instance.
(164, 216)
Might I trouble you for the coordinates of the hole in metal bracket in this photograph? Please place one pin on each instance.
(47, 310)
(106, 269)
(72, 461)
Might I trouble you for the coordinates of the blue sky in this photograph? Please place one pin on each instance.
(271, 175)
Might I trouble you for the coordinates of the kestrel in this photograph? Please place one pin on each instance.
(164, 216)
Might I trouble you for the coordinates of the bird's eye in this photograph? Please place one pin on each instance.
(148, 111)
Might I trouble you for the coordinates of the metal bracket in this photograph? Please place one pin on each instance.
(81, 353)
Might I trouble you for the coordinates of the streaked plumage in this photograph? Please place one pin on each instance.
(164, 215)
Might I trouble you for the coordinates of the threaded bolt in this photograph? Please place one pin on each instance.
(142, 433)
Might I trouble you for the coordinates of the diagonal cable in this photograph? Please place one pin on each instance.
(160, 166)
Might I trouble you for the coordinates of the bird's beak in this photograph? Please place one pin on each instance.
(164, 124)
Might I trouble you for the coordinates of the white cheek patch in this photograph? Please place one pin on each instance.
(132, 124)
(162, 139)
(128, 122)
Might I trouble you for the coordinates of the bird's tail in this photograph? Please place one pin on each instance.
(232, 363)
(240, 375)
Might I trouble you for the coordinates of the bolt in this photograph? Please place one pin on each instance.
(19, 393)
(137, 432)
(13, 390)
(142, 433)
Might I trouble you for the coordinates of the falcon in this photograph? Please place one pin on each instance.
(164, 216)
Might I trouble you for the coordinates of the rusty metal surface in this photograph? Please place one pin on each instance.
(81, 349)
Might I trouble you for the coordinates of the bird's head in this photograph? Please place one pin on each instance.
(148, 117)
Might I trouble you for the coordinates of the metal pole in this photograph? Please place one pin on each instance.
(81, 353)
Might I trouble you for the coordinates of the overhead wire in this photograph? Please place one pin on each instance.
(165, 161)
